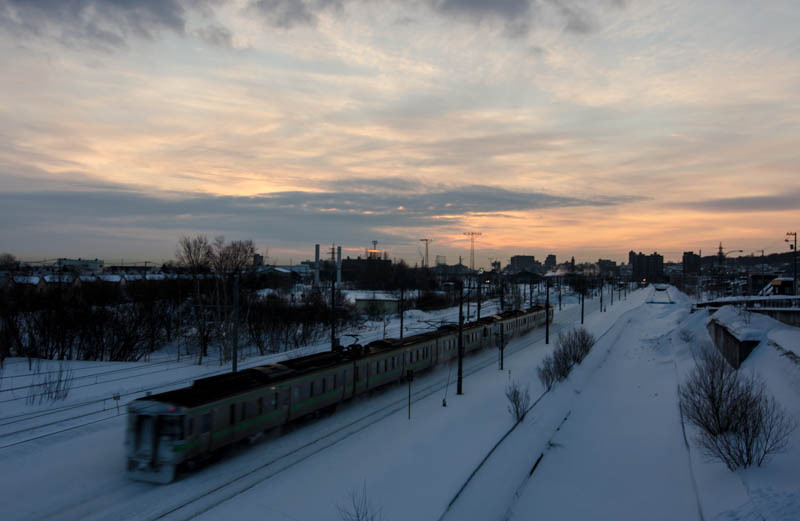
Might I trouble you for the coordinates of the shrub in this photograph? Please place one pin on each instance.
(360, 508)
(571, 348)
(519, 400)
(547, 373)
(738, 422)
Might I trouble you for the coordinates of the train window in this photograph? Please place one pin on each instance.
(261, 405)
(205, 423)
(324, 381)
(311, 388)
(275, 401)
(233, 413)
(334, 380)
(189, 426)
(242, 411)
(356, 377)
(171, 427)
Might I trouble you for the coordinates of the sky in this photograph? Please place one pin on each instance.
(585, 128)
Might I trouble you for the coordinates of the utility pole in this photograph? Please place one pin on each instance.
(530, 294)
(402, 295)
(502, 344)
(602, 284)
(559, 293)
(235, 321)
(502, 294)
(472, 236)
(547, 313)
(583, 298)
(794, 260)
(333, 313)
(468, 300)
(410, 378)
(479, 296)
(613, 283)
(460, 337)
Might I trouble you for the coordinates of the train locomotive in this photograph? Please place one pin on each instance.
(174, 430)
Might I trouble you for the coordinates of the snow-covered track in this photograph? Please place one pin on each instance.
(222, 492)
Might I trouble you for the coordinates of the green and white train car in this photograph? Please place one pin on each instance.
(170, 431)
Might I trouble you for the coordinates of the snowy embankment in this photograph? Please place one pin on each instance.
(620, 453)
(79, 473)
(98, 391)
(610, 439)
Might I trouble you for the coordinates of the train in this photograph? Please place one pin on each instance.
(173, 431)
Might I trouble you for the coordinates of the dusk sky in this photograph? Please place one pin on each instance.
(573, 127)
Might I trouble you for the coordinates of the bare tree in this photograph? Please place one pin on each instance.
(738, 422)
(194, 253)
(232, 257)
(519, 400)
(7, 260)
(359, 508)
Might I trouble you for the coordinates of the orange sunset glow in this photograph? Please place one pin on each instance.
(587, 131)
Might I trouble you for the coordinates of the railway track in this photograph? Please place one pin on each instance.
(108, 412)
(210, 498)
(120, 498)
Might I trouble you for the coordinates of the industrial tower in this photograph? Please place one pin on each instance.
(426, 241)
(472, 236)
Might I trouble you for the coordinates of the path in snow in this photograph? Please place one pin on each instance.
(620, 455)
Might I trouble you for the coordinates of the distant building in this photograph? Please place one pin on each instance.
(441, 260)
(258, 260)
(80, 264)
(371, 269)
(522, 263)
(691, 263)
(550, 262)
(649, 268)
(607, 267)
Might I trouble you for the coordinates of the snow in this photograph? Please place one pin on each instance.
(354, 295)
(738, 322)
(610, 437)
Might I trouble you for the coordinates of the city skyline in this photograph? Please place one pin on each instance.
(567, 127)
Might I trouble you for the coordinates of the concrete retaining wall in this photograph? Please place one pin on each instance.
(734, 350)
(787, 316)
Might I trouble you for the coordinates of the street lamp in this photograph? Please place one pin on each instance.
(725, 257)
(794, 260)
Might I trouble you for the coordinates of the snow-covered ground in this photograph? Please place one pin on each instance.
(610, 440)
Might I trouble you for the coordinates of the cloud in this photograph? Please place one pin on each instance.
(752, 203)
(290, 13)
(107, 23)
(520, 16)
(215, 34)
(289, 217)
